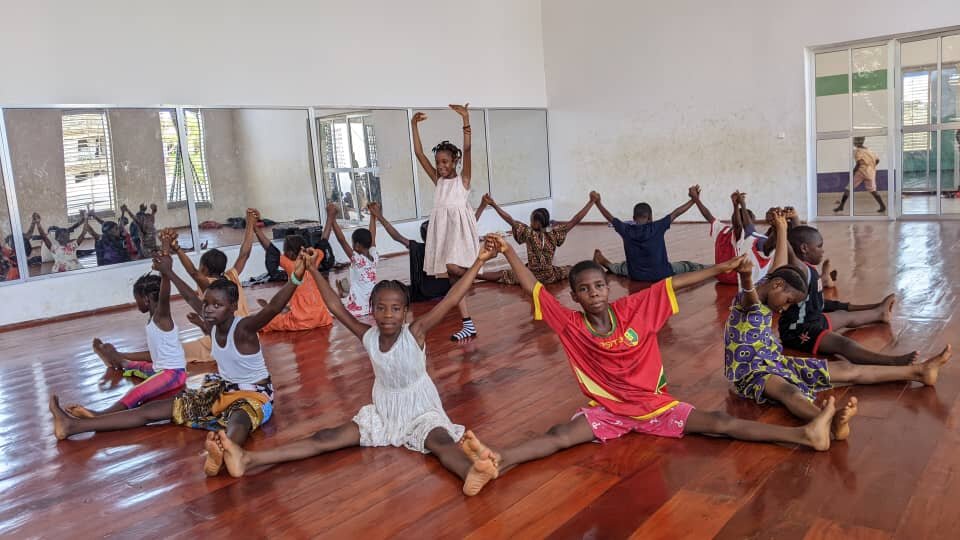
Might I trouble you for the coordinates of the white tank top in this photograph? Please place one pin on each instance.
(165, 348)
(236, 367)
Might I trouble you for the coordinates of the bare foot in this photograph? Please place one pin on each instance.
(841, 421)
(887, 305)
(107, 353)
(79, 411)
(343, 287)
(214, 461)
(817, 431)
(600, 259)
(61, 420)
(905, 359)
(479, 475)
(234, 457)
(930, 369)
(828, 275)
(476, 450)
(263, 303)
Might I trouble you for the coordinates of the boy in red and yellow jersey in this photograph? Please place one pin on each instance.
(614, 354)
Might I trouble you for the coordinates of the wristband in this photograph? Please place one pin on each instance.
(295, 281)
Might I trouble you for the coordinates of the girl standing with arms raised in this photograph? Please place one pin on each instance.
(452, 239)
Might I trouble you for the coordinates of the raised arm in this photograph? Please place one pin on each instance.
(134, 220)
(418, 147)
(737, 220)
(332, 299)
(42, 231)
(83, 234)
(168, 236)
(373, 230)
(524, 276)
(466, 170)
(164, 265)
(750, 296)
(692, 278)
(332, 221)
(595, 197)
(81, 221)
(377, 212)
(481, 208)
(682, 209)
(578, 217)
(781, 253)
(161, 316)
(87, 228)
(694, 193)
(423, 324)
(252, 323)
(246, 247)
(265, 242)
(500, 211)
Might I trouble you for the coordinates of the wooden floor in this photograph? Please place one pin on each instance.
(898, 476)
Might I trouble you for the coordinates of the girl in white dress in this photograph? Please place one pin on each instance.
(406, 409)
(452, 237)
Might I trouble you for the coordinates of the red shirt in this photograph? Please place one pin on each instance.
(621, 370)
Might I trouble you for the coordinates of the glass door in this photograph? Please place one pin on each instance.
(929, 140)
(852, 116)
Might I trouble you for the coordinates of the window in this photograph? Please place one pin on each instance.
(173, 165)
(350, 169)
(916, 109)
(87, 162)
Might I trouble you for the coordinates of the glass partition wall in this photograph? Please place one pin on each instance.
(885, 128)
(91, 186)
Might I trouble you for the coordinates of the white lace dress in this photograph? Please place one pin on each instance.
(406, 406)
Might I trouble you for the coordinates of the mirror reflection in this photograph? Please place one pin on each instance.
(94, 185)
(250, 158)
(365, 157)
(519, 165)
(10, 249)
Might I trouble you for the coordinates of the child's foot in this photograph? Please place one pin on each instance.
(600, 259)
(61, 420)
(107, 353)
(841, 421)
(79, 411)
(817, 431)
(263, 303)
(930, 369)
(233, 456)
(214, 461)
(476, 450)
(480, 473)
(828, 275)
(467, 332)
(343, 287)
(887, 308)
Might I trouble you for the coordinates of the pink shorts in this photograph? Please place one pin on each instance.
(607, 425)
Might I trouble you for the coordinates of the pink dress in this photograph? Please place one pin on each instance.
(452, 235)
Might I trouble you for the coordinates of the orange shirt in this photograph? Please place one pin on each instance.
(306, 304)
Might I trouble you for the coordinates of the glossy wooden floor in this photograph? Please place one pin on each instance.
(897, 477)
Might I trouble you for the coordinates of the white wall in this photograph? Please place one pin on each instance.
(421, 53)
(417, 53)
(647, 98)
(276, 163)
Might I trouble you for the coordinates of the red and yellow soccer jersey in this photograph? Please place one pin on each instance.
(621, 370)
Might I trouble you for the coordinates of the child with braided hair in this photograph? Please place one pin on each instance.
(406, 410)
(452, 240)
(163, 366)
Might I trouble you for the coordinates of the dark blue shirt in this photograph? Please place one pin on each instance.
(645, 249)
